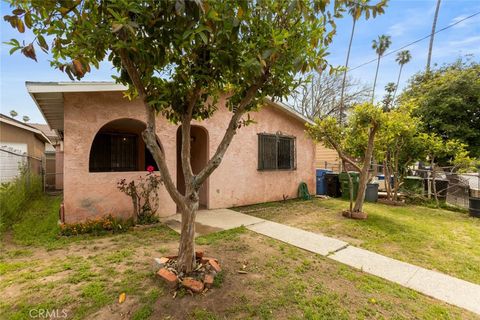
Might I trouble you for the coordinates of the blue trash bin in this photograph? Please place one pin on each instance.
(321, 184)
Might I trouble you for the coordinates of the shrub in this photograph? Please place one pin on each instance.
(108, 224)
(15, 195)
(144, 195)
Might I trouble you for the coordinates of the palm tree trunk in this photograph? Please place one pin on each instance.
(375, 81)
(345, 72)
(398, 81)
(432, 35)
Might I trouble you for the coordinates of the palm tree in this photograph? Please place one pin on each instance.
(13, 113)
(356, 9)
(390, 88)
(26, 119)
(432, 35)
(403, 57)
(380, 47)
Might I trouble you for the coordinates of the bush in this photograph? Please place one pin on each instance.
(108, 224)
(15, 195)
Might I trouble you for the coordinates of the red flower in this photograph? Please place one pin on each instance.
(150, 169)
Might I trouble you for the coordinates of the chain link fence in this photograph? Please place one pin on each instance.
(13, 163)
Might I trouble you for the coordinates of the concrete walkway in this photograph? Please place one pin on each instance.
(455, 291)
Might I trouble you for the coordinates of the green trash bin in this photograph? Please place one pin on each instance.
(343, 177)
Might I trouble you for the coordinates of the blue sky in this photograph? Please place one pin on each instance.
(405, 21)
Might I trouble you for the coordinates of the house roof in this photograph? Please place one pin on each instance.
(45, 128)
(48, 96)
(38, 133)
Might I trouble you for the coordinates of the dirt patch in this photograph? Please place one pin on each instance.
(281, 281)
(117, 310)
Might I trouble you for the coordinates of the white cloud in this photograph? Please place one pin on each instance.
(474, 21)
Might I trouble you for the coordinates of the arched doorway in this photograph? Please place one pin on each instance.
(118, 147)
(198, 160)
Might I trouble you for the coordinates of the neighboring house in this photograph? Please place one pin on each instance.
(53, 158)
(21, 145)
(101, 132)
(326, 158)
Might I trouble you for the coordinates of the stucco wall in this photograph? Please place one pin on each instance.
(236, 182)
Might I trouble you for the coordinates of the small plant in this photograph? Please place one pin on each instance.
(16, 194)
(108, 224)
(144, 196)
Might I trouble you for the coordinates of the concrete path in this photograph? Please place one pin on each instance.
(431, 283)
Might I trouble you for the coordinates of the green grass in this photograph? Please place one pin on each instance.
(85, 276)
(217, 237)
(433, 238)
(15, 197)
(39, 222)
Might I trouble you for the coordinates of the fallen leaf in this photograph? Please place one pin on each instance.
(122, 297)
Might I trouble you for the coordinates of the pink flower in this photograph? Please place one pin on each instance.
(150, 169)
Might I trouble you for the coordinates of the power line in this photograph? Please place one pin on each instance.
(416, 41)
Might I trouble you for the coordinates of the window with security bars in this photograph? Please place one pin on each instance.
(276, 152)
(114, 152)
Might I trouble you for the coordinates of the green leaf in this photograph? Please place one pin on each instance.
(42, 43)
(28, 19)
(20, 26)
(14, 49)
(204, 37)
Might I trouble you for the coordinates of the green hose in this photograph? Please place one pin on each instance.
(303, 191)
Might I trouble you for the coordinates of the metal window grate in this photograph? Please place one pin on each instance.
(276, 152)
(114, 152)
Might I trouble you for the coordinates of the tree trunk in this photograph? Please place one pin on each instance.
(386, 175)
(345, 72)
(350, 189)
(434, 185)
(375, 81)
(186, 250)
(396, 182)
(396, 87)
(432, 35)
(362, 185)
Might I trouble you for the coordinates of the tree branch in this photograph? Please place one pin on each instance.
(186, 143)
(154, 144)
(215, 161)
(343, 156)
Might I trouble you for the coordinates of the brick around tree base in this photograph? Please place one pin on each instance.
(192, 284)
(169, 277)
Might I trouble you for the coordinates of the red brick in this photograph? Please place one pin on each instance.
(164, 259)
(207, 259)
(215, 265)
(199, 254)
(192, 284)
(208, 280)
(169, 277)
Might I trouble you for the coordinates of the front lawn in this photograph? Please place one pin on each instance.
(436, 239)
(84, 276)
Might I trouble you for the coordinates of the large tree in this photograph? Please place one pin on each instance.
(432, 36)
(354, 143)
(321, 95)
(403, 57)
(178, 58)
(380, 46)
(448, 100)
(398, 146)
(356, 9)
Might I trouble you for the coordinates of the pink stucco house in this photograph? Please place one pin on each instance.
(102, 144)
